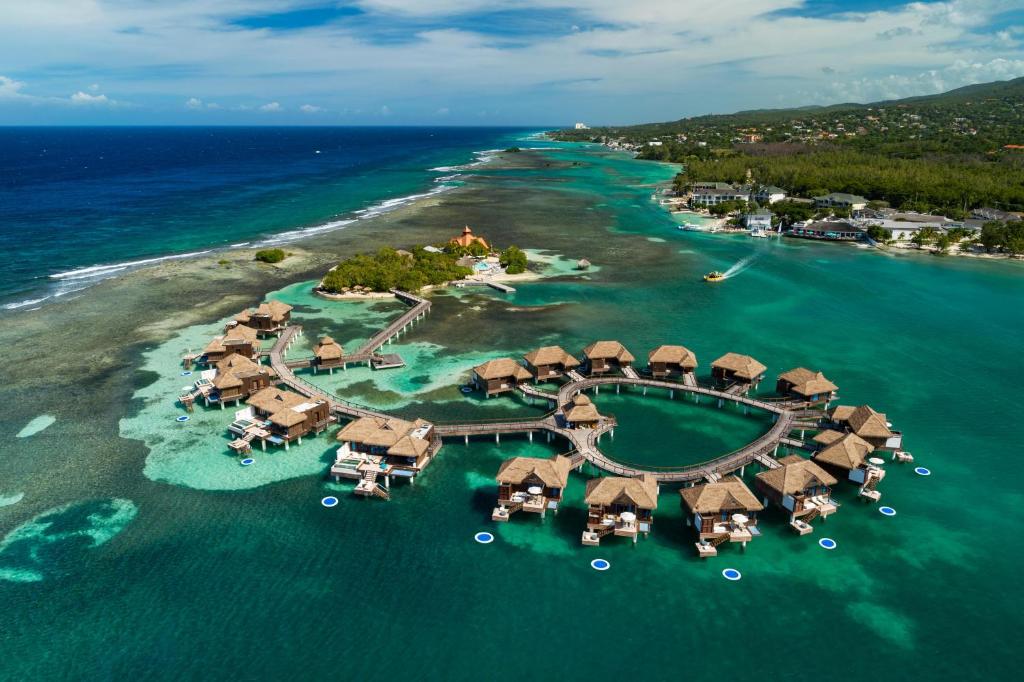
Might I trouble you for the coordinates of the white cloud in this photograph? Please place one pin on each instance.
(194, 103)
(11, 89)
(85, 99)
(310, 109)
(272, 106)
(443, 111)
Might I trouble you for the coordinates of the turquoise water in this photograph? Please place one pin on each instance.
(216, 570)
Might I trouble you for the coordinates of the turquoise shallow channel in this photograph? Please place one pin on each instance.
(136, 546)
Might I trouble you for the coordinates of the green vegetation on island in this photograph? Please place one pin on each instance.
(392, 269)
(270, 255)
(949, 152)
(513, 260)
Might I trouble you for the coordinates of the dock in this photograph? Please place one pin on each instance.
(503, 288)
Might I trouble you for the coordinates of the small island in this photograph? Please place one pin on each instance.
(467, 258)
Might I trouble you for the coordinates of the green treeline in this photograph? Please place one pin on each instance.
(918, 184)
(390, 269)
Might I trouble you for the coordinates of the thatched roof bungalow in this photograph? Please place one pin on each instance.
(620, 505)
(800, 487)
(666, 361)
(532, 484)
(239, 377)
(723, 511)
(329, 354)
(846, 456)
(267, 318)
(499, 376)
(733, 368)
(807, 386)
(604, 356)
(290, 416)
(870, 425)
(240, 340)
(396, 447)
(581, 413)
(549, 362)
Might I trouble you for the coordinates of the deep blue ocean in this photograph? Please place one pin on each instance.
(77, 204)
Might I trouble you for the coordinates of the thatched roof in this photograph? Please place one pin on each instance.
(287, 417)
(551, 355)
(867, 423)
(581, 409)
(673, 355)
(849, 452)
(795, 475)
(608, 350)
(500, 368)
(272, 399)
(728, 494)
(641, 492)
(237, 335)
(828, 436)
(226, 379)
(275, 310)
(552, 472)
(233, 367)
(742, 366)
(807, 383)
(328, 349)
(397, 435)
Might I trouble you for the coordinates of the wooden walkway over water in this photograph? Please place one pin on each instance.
(584, 443)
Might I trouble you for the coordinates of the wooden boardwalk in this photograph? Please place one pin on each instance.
(583, 442)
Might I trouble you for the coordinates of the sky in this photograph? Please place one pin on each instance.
(483, 62)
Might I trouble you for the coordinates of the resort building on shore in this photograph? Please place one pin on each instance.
(267, 318)
(832, 230)
(739, 372)
(841, 200)
(723, 511)
(799, 487)
(758, 222)
(238, 377)
(604, 356)
(467, 239)
(498, 376)
(581, 413)
(847, 456)
(531, 484)
(378, 446)
(620, 506)
(549, 362)
(807, 386)
(238, 340)
(329, 354)
(869, 425)
(671, 361)
(289, 416)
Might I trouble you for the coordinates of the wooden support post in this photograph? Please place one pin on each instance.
(497, 438)
(616, 388)
(466, 439)
(529, 436)
(671, 394)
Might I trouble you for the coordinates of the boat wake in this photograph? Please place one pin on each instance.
(739, 266)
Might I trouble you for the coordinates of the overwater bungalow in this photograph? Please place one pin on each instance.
(498, 376)
(604, 356)
(739, 371)
(289, 416)
(869, 425)
(723, 511)
(269, 317)
(238, 377)
(800, 487)
(807, 386)
(581, 413)
(379, 446)
(620, 506)
(671, 361)
(329, 354)
(531, 484)
(238, 340)
(847, 456)
(549, 362)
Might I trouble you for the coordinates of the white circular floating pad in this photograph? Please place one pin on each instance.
(466, 389)
(600, 564)
(731, 574)
(827, 543)
(484, 538)
(329, 501)
(182, 418)
(186, 374)
(247, 461)
(888, 511)
(921, 471)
